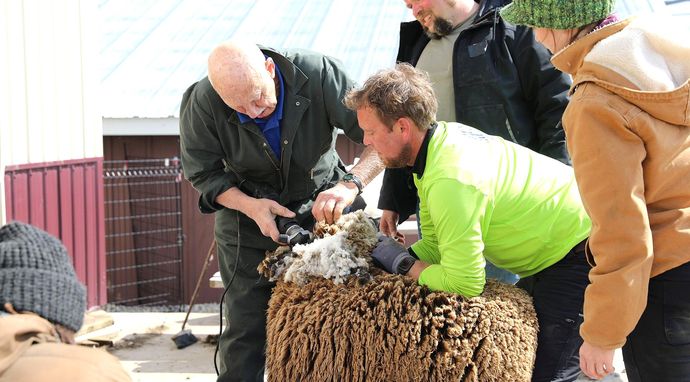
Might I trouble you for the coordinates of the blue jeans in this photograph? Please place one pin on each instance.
(558, 293)
(658, 349)
(500, 274)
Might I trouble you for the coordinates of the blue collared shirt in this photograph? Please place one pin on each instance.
(270, 126)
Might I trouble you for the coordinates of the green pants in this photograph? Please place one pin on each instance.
(242, 344)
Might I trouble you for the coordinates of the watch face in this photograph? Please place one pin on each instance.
(351, 178)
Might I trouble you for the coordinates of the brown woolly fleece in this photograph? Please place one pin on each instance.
(392, 329)
(387, 327)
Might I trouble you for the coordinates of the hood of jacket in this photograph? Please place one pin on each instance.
(642, 60)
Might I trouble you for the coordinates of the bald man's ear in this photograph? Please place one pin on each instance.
(270, 67)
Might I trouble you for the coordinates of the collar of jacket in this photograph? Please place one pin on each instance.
(487, 14)
(292, 75)
(638, 82)
(294, 106)
(420, 161)
(490, 6)
(412, 32)
(293, 78)
(571, 58)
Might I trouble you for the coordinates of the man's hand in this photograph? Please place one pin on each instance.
(264, 212)
(596, 362)
(389, 254)
(389, 223)
(329, 204)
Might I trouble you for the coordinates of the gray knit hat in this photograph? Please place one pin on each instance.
(556, 14)
(36, 275)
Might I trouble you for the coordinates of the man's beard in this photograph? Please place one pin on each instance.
(403, 159)
(442, 28)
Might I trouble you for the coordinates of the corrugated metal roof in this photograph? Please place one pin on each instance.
(152, 50)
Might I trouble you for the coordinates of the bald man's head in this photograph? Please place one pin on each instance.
(243, 78)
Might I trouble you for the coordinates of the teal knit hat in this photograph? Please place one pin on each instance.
(556, 14)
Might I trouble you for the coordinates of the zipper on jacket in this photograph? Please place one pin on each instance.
(273, 162)
(276, 166)
(280, 173)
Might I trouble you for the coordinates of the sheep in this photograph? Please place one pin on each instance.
(327, 328)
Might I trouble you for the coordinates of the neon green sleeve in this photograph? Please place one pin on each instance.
(452, 216)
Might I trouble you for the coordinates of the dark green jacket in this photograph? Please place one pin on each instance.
(218, 151)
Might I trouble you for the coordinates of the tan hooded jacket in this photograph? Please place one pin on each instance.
(628, 133)
(30, 352)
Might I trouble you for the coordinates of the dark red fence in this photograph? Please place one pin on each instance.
(66, 199)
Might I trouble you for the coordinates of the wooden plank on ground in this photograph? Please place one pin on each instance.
(97, 319)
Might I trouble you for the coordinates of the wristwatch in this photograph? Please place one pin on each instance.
(352, 178)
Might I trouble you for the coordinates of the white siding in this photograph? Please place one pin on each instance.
(48, 83)
(48, 96)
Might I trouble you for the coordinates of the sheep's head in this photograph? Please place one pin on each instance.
(340, 250)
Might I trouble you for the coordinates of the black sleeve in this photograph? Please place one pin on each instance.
(336, 83)
(545, 88)
(398, 193)
(201, 152)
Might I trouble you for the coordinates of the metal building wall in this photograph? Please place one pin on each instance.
(65, 198)
(50, 127)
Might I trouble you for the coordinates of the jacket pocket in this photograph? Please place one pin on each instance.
(676, 312)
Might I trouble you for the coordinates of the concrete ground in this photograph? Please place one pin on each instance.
(143, 343)
(145, 347)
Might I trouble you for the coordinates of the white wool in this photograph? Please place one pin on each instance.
(331, 257)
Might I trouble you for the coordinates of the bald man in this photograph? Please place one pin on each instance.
(264, 123)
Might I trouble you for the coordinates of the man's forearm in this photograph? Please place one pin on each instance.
(262, 211)
(368, 167)
(417, 269)
(235, 199)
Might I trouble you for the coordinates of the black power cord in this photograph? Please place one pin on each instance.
(222, 298)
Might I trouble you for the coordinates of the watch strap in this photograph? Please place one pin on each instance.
(352, 178)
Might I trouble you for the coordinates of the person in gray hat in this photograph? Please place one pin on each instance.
(42, 306)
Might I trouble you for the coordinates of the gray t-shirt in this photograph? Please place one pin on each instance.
(437, 60)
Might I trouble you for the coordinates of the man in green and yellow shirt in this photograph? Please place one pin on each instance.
(481, 198)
